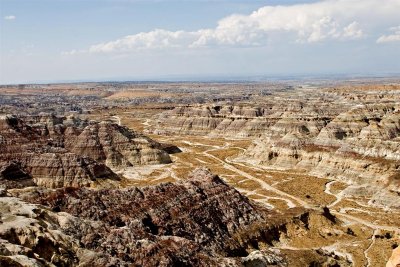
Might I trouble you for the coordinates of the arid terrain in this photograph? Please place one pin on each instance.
(285, 173)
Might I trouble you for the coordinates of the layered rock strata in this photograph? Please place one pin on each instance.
(313, 108)
(348, 134)
(58, 151)
(360, 147)
(197, 222)
(234, 121)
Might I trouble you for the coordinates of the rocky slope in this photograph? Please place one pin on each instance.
(292, 109)
(198, 222)
(359, 147)
(304, 111)
(235, 121)
(66, 151)
(347, 134)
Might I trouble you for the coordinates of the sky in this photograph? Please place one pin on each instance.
(89, 40)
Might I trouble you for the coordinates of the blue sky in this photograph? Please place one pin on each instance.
(53, 40)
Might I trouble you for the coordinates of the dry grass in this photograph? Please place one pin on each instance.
(278, 204)
(220, 170)
(356, 250)
(187, 158)
(132, 94)
(163, 180)
(266, 193)
(183, 172)
(307, 188)
(338, 187)
(133, 123)
(381, 250)
(225, 153)
(233, 179)
(255, 197)
(351, 203)
(389, 218)
(241, 143)
(321, 233)
(249, 185)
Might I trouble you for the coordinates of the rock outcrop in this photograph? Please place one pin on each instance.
(181, 223)
(351, 135)
(300, 110)
(13, 176)
(204, 120)
(117, 146)
(359, 147)
(197, 222)
(30, 236)
(66, 151)
(394, 260)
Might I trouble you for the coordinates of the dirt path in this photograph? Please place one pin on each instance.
(369, 247)
(328, 191)
(231, 165)
(288, 198)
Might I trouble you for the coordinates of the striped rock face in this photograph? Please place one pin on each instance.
(56, 151)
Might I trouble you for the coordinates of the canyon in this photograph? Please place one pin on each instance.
(270, 174)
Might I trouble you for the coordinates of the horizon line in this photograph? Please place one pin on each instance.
(217, 78)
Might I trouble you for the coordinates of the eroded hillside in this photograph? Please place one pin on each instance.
(300, 175)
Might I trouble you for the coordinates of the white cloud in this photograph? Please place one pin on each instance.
(144, 40)
(394, 37)
(10, 17)
(303, 23)
(353, 31)
(73, 52)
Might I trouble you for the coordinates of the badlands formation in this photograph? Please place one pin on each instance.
(56, 151)
(263, 175)
(197, 222)
(352, 137)
(349, 137)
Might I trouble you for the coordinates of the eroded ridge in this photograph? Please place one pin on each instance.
(201, 221)
(307, 176)
(56, 151)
